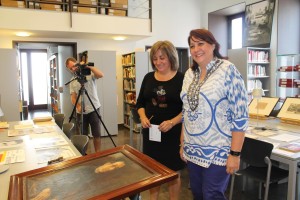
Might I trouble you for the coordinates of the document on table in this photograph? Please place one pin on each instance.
(12, 156)
(24, 125)
(10, 143)
(46, 154)
(19, 132)
(154, 133)
(45, 142)
(265, 133)
(4, 125)
(285, 137)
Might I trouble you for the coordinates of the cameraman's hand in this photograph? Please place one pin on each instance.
(78, 108)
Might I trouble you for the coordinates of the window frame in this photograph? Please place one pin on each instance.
(229, 25)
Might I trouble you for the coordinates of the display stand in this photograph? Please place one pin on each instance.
(290, 121)
(259, 116)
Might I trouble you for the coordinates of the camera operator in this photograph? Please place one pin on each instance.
(89, 115)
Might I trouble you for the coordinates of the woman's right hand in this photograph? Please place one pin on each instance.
(145, 122)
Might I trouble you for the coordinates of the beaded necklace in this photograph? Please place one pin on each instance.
(194, 88)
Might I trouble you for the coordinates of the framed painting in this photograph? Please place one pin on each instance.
(290, 109)
(258, 24)
(112, 174)
(262, 106)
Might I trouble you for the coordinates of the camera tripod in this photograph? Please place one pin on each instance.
(83, 92)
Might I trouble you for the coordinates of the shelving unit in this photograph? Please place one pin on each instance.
(288, 76)
(129, 89)
(54, 84)
(105, 7)
(135, 66)
(254, 65)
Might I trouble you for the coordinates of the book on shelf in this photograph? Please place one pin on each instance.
(292, 147)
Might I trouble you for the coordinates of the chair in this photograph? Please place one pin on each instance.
(256, 155)
(59, 119)
(136, 119)
(80, 142)
(68, 128)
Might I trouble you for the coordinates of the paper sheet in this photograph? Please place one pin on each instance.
(12, 156)
(285, 137)
(11, 143)
(47, 154)
(48, 142)
(154, 133)
(266, 133)
(4, 125)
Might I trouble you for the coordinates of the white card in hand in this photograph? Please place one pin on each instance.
(154, 133)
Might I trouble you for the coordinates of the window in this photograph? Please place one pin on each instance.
(235, 30)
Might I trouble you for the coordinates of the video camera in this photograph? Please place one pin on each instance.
(82, 70)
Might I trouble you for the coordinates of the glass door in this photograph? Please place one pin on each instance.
(34, 78)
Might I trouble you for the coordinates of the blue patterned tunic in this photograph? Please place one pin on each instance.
(222, 109)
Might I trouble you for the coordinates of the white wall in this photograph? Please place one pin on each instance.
(172, 20)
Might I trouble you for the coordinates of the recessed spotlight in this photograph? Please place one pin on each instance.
(22, 34)
(119, 38)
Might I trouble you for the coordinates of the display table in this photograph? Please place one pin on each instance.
(31, 159)
(289, 158)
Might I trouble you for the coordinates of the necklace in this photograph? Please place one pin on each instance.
(194, 88)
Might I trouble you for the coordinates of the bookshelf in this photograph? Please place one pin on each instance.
(288, 76)
(254, 65)
(135, 66)
(54, 84)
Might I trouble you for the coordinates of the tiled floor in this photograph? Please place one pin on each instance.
(276, 192)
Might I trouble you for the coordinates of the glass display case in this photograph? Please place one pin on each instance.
(111, 174)
(288, 76)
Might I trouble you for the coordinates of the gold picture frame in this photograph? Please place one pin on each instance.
(265, 106)
(290, 109)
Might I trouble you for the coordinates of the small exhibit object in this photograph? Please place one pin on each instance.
(292, 147)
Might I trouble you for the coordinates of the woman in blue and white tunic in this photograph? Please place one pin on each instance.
(215, 117)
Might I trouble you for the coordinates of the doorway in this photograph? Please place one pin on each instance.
(34, 79)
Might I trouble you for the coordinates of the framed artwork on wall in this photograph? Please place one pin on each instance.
(258, 24)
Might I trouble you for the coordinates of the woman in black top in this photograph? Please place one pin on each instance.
(159, 103)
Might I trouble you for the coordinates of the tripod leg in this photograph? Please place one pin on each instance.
(100, 118)
(74, 108)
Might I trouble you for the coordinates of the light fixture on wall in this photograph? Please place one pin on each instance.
(119, 38)
(257, 93)
(23, 34)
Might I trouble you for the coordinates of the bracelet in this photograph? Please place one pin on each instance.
(171, 123)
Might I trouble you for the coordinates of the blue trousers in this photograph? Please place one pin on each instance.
(208, 183)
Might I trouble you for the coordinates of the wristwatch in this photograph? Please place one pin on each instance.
(235, 153)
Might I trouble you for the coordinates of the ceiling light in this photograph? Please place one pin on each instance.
(22, 34)
(119, 38)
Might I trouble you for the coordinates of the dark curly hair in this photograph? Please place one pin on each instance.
(208, 37)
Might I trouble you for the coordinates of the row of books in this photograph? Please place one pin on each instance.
(289, 68)
(258, 56)
(254, 84)
(129, 84)
(256, 70)
(129, 72)
(128, 59)
(289, 83)
(130, 97)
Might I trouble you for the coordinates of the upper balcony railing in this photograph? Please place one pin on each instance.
(126, 8)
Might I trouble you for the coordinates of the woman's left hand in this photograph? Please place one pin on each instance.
(165, 126)
(233, 164)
